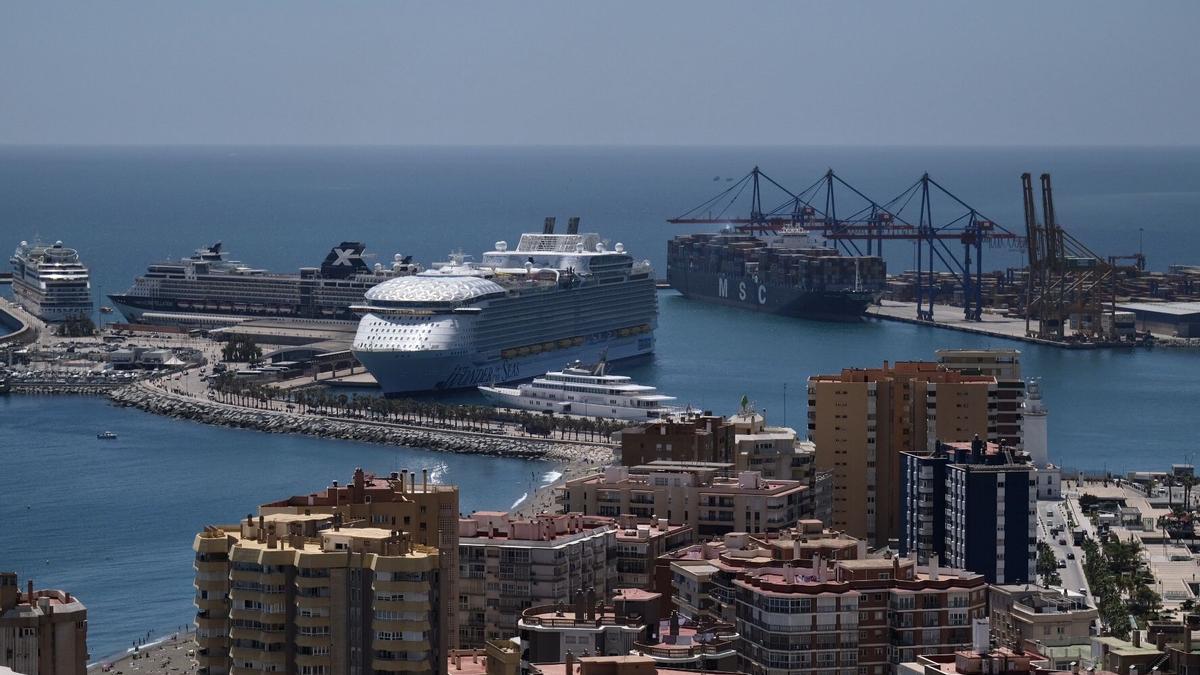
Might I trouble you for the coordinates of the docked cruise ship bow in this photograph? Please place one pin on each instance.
(514, 315)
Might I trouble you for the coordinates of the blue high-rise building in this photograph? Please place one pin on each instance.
(973, 506)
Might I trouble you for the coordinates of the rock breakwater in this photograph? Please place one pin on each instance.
(156, 401)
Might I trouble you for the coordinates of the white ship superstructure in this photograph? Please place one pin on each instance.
(586, 391)
(208, 288)
(513, 315)
(50, 282)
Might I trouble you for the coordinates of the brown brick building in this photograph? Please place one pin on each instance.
(42, 632)
(862, 419)
(684, 438)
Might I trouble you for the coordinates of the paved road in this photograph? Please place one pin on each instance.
(1051, 514)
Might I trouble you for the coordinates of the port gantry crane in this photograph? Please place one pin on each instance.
(873, 223)
(1065, 278)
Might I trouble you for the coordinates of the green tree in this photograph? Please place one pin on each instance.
(1047, 565)
(77, 326)
(241, 349)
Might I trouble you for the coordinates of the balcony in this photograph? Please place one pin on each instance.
(311, 582)
(397, 666)
(311, 601)
(400, 645)
(220, 567)
(214, 606)
(675, 653)
(549, 616)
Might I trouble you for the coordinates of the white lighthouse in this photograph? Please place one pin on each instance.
(1033, 413)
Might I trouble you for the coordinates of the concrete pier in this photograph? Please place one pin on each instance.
(991, 325)
(16, 325)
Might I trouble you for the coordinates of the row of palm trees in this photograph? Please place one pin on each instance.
(464, 417)
(1121, 583)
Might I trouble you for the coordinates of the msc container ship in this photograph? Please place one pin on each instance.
(50, 282)
(787, 271)
(513, 315)
(208, 289)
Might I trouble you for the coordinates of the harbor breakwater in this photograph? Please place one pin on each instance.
(14, 329)
(149, 399)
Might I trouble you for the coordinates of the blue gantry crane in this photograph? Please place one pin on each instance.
(858, 225)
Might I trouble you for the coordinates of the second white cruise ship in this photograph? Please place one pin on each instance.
(513, 315)
(50, 282)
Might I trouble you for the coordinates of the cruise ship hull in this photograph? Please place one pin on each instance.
(745, 292)
(399, 372)
(208, 290)
(167, 311)
(33, 301)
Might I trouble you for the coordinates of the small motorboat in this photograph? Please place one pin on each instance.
(106, 435)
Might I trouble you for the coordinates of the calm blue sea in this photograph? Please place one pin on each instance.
(113, 522)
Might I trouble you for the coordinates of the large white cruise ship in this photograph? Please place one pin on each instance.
(50, 282)
(209, 289)
(511, 316)
(586, 391)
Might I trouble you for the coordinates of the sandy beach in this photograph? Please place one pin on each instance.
(168, 655)
(543, 498)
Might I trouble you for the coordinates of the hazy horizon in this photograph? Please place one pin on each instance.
(1076, 73)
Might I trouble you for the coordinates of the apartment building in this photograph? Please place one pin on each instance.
(705, 497)
(42, 632)
(426, 511)
(700, 576)
(690, 437)
(974, 506)
(502, 659)
(507, 565)
(1005, 366)
(775, 452)
(639, 546)
(317, 594)
(863, 616)
(629, 664)
(1033, 618)
(862, 419)
(778, 453)
(985, 661)
(589, 625)
(702, 646)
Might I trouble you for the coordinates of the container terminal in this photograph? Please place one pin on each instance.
(1064, 294)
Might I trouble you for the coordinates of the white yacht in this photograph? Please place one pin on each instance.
(587, 391)
(50, 282)
(511, 316)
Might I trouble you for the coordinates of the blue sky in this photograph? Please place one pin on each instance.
(1074, 72)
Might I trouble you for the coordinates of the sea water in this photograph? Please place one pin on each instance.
(113, 521)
